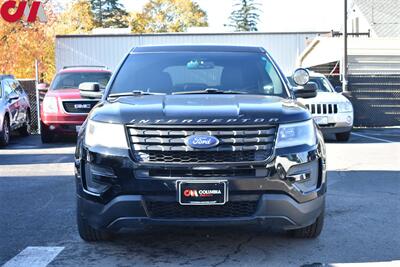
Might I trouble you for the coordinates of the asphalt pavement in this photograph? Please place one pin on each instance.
(37, 216)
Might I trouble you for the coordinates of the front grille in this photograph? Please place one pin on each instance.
(173, 210)
(202, 156)
(322, 108)
(190, 173)
(166, 144)
(78, 106)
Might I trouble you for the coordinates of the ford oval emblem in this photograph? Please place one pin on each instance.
(201, 141)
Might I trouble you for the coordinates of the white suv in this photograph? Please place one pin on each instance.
(331, 110)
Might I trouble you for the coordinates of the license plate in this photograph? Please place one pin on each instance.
(78, 128)
(321, 120)
(202, 192)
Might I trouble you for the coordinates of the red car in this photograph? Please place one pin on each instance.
(63, 109)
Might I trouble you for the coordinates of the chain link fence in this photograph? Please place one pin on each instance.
(376, 100)
(30, 89)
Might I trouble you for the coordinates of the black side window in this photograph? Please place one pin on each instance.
(16, 86)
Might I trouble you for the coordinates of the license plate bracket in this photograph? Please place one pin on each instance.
(202, 192)
(321, 120)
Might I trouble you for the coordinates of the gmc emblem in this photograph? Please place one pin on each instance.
(82, 106)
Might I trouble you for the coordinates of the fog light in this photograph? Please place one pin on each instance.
(349, 119)
(52, 127)
(304, 177)
(92, 183)
(299, 177)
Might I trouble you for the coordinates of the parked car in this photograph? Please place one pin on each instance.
(15, 110)
(200, 135)
(63, 109)
(332, 111)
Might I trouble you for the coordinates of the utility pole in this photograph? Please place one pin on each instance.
(345, 55)
(37, 95)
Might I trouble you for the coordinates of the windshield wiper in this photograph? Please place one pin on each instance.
(134, 93)
(208, 91)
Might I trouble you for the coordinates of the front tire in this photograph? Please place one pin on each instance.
(5, 134)
(88, 233)
(343, 137)
(46, 135)
(311, 231)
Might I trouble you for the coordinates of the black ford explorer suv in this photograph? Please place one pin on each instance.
(200, 135)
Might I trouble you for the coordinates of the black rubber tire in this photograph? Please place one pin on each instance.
(343, 137)
(88, 233)
(311, 231)
(26, 129)
(45, 134)
(6, 133)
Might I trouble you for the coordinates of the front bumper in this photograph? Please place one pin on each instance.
(63, 123)
(130, 211)
(291, 194)
(337, 123)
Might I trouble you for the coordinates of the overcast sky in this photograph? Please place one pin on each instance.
(277, 15)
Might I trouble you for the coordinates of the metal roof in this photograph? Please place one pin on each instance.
(382, 16)
(366, 55)
(198, 48)
(174, 34)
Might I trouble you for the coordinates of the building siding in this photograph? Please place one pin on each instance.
(109, 50)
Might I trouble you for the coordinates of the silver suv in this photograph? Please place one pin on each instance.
(15, 110)
(332, 111)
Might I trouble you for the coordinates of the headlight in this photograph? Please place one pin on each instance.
(345, 107)
(50, 105)
(105, 134)
(296, 134)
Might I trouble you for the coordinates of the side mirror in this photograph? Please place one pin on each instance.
(308, 91)
(90, 90)
(301, 76)
(43, 87)
(13, 96)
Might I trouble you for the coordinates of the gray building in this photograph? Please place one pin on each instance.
(381, 18)
(108, 50)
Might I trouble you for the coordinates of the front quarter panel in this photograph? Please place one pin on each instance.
(2, 113)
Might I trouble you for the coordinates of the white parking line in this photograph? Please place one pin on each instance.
(368, 264)
(37, 170)
(34, 257)
(373, 138)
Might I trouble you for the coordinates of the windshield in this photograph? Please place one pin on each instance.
(74, 79)
(322, 84)
(191, 72)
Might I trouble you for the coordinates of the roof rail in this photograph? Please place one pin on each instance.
(6, 76)
(85, 66)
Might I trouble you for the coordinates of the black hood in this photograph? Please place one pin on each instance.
(200, 109)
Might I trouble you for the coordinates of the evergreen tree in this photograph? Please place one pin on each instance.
(109, 14)
(245, 16)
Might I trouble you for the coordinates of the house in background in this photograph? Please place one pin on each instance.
(379, 17)
(373, 61)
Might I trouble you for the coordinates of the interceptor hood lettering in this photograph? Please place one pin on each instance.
(200, 109)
